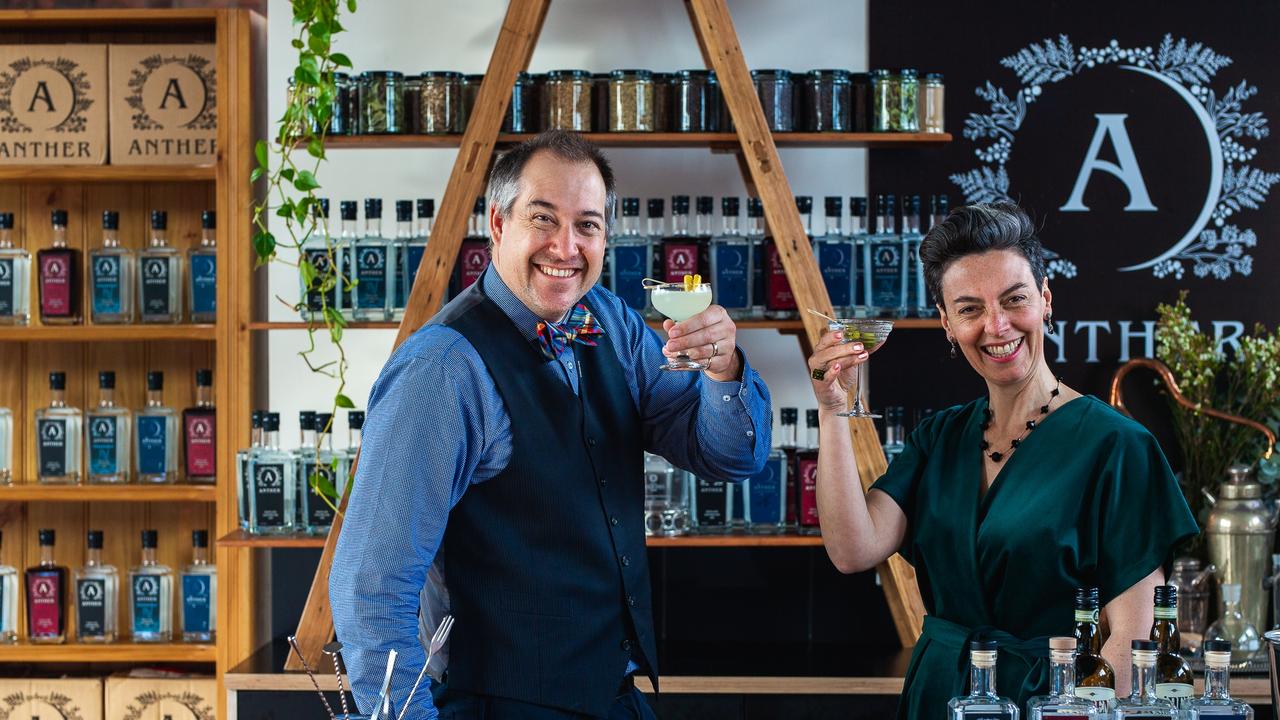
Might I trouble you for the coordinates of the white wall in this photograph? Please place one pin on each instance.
(597, 35)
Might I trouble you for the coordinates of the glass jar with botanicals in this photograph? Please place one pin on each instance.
(826, 98)
(630, 101)
(381, 94)
(568, 100)
(776, 98)
(440, 103)
(522, 113)
(111, 271)
(696, 96)
(932, 93)
(908, 100)
(886, 96)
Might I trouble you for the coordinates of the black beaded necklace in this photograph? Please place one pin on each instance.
(1031, 425)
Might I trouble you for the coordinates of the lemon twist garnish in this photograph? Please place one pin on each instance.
(691, 282)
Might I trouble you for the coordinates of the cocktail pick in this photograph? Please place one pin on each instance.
(293, 643)
(334, 651)
(821, 315)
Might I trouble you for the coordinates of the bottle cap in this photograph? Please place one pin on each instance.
(1144, 645)
(307, 419)
(57, 380)
(679, 204)
(804, 204)
(93, 540)
(858, 206)
(373, 208)
(321, 208)
(155, 380)
(355, 419)
(59, 217)
(790, 415)
(478, 208)
(426, 207)
(983, 645)
(149, 538)
(729, 206)
(834, 205)
(404, 211)
(755, 208)
(1166, 596)
(110, 220)
(204, 377)
(255, 419)
(348, 209)
(6, 221)
(1086, 598)
(47, 536)
(939, 204)
(705, 204)
(159, 219)
(106, 379)
(1217, 646)
(811, 417)
(656, 206)
(324, 423)
(209, 219)
(200, 538)
(271, 422)
(631, 207)
(1062, 643)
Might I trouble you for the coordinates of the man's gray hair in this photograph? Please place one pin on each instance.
(504, 179)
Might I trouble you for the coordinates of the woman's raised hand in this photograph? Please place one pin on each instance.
(832, 367)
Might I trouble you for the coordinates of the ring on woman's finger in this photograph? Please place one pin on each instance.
(818, 373)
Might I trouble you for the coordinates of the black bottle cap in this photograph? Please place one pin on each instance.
(155, 380)
(321, 208)
(93, 540)
(804, 204)
(209, 219)
(1147, 645)
(271, 422)
(939, 204)
(57, 380)
(59, 217)
(149, 538)
(656, 206)
(373, 208)
(729, 206)
(200, 538)
(47, 537)
(679, 204)
(324, 422)
(107, 379)
(355, 419)
(1086, 598)
(256, 419)
(404, 211)
(110, 220)
(348, 209)
(811, 418)
(1166, 596)
(790, 416)
(916, 204)
(204, 377)
(6, 221)
(630, 207)
(307, 419)
(426, 207)
(159, 219)
(890, 204)
(983, 645)
(857, 206)
(478, 208)
(755, 208)
(1216, 646)
(834, 205)
(705, 204)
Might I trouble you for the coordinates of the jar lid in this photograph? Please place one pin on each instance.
(473, 77)
(774, 73)
(568, 75)
(341, 76)
(840, 76)
(631, 74)
(389, 74)
(441, 75)
(708, 75)
(906, 72)
(663, 76)
(933, 76)
(879, 72)
(524, 77)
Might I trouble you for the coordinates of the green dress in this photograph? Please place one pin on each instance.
(1088, 499)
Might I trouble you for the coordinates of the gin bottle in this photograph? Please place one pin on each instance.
(111, 283)
(271, 476)
(345, 251)
(679, 253)
(59, 268)
(199, 432)
(156, 436)
(1144, 702)
(982, 702)
(807, 478)
(629, 258)
(160, 275)
(894, 433)
(417, 245)
(6, 446)
(320, 479)
(834, 252)
(858, 240)
(202, 261)
(243, 488)
(1216, 701)
(355, 435)
(710, 506)
(9, 601)
(400, 247)
(46, 584)
(938, 211)
(882, 263)
(912, 270)
(1095, 678)
(97, 591)
(655, 229)
(108, 429)
(780, 302)
(198, 611)
(759, 256)
(789, 441)
(304, 459)
(375, 258)
(58, 433)
(1174, 681)
(1061, 702)
(15, 267)
(1233, 627)
(666, 497)
(731, 263)
(473, 254)
(321, 292)
(767, 495)
(151, 595)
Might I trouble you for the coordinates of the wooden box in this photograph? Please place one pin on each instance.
(164, 107)
(53, 104)
(23, 699)
(161, 698)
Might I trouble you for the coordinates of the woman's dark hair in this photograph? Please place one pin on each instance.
(975, 229)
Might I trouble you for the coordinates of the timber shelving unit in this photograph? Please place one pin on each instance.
(27, 354)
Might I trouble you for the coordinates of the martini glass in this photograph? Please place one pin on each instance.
(872, 334)
(679, 304)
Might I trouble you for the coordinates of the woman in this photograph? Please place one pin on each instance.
(1008, 503)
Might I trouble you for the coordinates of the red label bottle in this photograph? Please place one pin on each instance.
(46, 585)
(59, 272)
(199, 432)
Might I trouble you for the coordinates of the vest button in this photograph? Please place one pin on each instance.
(625, 560)
(626, 645)
(613, 521)
(631, 600)
(591, 442)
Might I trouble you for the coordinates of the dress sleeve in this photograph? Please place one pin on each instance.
(1139, 516)
(902, 478)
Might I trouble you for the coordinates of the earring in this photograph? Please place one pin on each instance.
(953, 347)
(1048, 323)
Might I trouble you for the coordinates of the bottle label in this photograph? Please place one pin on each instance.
(835, 260)
(53, 447)
(473, 258)
(778, 294)
(103, 448)
(886, 274)
(656, 489)
(733, 268)
(1087, 616)
(628, 267)
(347, 255)
(204, 283)
(91, 607)
(765, 489)
(318, 514)
(152, 444)
(413, 258)
(1180, 694)
(398, 300)
(146, 604)
(792, 491)
(197, 599)
(679, 259)
(55, 283)
(1096, 694)
(807, 469)
(1166, 613)
(45, 604)
(8, 286)
(710, 496)
(371, 276)
(268, 495)
(156, 285)
(200, 445)
(316, 299)
(106, 285)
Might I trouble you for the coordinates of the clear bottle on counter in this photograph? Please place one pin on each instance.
(710, 505)
(160, 275)
(932, 92)
(440, 103)
(1217, 701)
(1233, 627)
(1061, 702)
(827, 101)
(202, 267)
(1143, 701)
(15, 273)
(982, 702)
(59, 430)
(666, 498)
(111, 271)
(630, 101)
(151, 595)
(381, 102)
(731, 263)
(107, 429)
(775, 89)
(696, 101)
(97, 587)
(568, 98)
(198, 611)
(522, 114)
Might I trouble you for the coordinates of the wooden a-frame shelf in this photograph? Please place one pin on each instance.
(726, 141)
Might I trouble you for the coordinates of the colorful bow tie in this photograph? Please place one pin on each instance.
(553, 338)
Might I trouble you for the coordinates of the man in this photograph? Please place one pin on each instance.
(501, 476)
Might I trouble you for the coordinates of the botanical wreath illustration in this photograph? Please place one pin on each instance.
(69, 69)
(198, 706)
(58, 701)
(206, 119)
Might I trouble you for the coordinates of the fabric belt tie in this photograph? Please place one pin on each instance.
(956, 637)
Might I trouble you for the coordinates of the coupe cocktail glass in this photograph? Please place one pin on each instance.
(679, 304)
(872, 334)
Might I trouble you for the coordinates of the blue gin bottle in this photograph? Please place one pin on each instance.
(759, 260)
(912, 270)
(375, 260)
(400, 249)
(858, 239)
(834, 252)
(346, 257)
(156, 436)
(417, 246)
(655, 230)
(111, 271)
(731, 273)
(108, 428)
(766, 495)
(939, 208)
(198, 611)
(202, 267)
(630, 257)
(883, 263)
(151, 595)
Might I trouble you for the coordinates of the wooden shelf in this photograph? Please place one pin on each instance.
(299, 325)
(120, 652)
(736, 541)
(656, 140)
(106, 173)
(784, 325)
(32, 492)
(105, 333)
(242, 539)
(27, 19)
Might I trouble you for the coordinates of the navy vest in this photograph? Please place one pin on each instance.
(545, 563)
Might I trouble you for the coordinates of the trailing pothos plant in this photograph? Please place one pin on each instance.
(289, 162)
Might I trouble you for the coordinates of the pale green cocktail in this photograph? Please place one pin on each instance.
(679, 304)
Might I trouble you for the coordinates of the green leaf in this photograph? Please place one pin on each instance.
(306, 181)
(335, 334)
(323, 486)
(334, 317)
(296, 43)
(315, 148)
(287, 174)
(260, 152)
(285, 211)
(308, 273)
(264, 245)
(351, 6)
(318, 44)
(340, 60)
(255, 174)
(343, 401)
